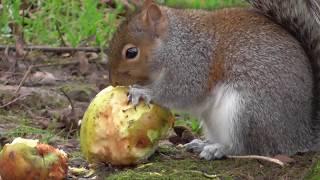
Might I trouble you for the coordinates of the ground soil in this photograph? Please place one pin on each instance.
(49, 102)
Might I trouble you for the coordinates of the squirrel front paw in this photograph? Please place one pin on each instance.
(137, 92)
(195, 145)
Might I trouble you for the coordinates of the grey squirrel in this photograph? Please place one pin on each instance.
(251, 75)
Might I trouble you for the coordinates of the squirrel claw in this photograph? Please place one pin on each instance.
(135, 94)
(212, 151)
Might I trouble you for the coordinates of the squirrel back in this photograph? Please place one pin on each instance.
(302, 20)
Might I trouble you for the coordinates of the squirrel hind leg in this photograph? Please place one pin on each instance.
(220, 121)
(250, 122)
(207, 150)
(219, 118)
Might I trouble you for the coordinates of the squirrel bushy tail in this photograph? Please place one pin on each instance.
(302, 20)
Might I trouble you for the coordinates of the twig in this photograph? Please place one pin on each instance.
(26, 74)
(269, 159)
(13, 101)
(54, 49)
(55, 64)
(60, 34)
(22, 31)
(69, 99)
(70, 129)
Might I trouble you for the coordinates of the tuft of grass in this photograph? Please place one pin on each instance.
(56, 22)
(314, 174)
(203, 4)
(74, 22)
(163, 167)
(187, 120)
(172, 169)
(44, 136)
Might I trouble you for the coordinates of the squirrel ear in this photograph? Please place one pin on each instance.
(133, 6)
(154, 18)
(154, 13)
(147, 3)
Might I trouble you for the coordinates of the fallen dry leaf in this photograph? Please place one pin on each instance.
(183, 135)
(42, 78)
(180, 129)
(20, 45)
(78, 171)
(83, 62)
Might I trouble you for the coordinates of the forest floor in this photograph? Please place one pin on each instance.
(46, 100)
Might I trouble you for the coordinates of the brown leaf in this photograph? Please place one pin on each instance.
(175, 140)
(10, 61)
(42, 78)
(83, 62)
(25, 4)
(65, 55)
(20, 46)
(18, 33)
(187, 136)
(179, 130)
(184, 135)
(92, 56)
(3, 140)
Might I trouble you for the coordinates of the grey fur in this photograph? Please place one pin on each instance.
(272, 73)
(275, 74)
(302, 19)
(184, 59)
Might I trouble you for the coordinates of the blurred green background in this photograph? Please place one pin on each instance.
(203, 4)
(74, 22)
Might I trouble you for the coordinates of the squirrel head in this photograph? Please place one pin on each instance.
(133, 43)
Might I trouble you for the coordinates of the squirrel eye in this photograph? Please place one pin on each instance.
(132, 53)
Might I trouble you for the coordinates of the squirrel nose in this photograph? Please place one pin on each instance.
(112, 81)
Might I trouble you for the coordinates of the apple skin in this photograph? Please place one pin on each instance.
(27, 159)
(114, 131)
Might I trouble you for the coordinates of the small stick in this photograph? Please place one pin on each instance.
(60, 34)
(24, 79)
(69, 99)
(54, 49)
(269, 159)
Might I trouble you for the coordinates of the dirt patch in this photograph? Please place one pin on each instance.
(190, 167)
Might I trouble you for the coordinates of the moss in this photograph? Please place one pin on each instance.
(196, 4)
(8, 116)
(172, 169)
(75, 154)
(314, 173)
(80, 92)
(165, 165)
(24, 130)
